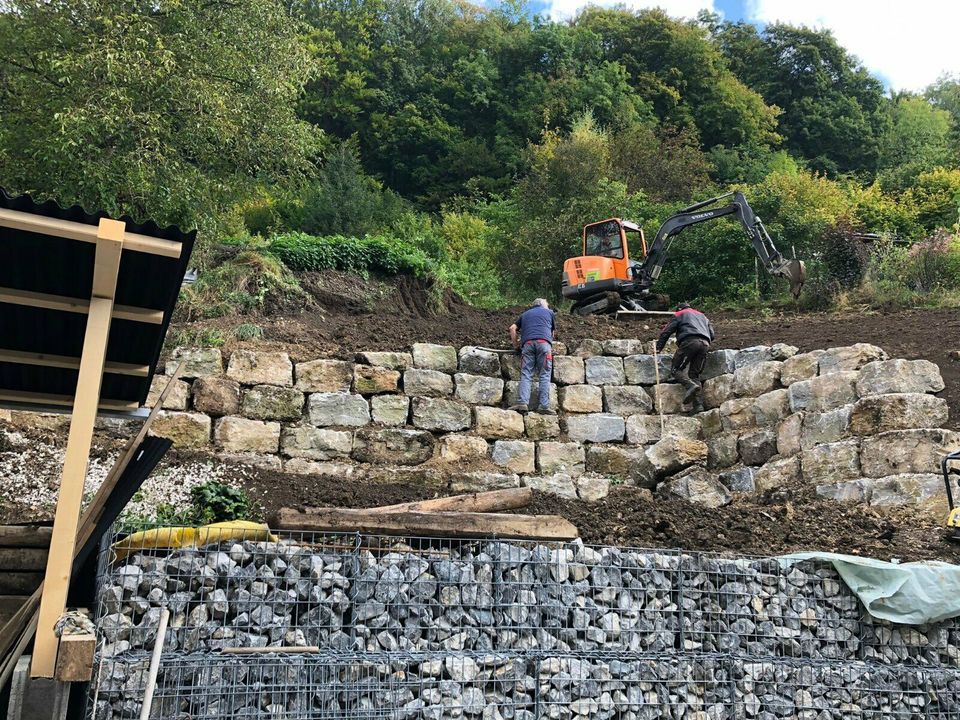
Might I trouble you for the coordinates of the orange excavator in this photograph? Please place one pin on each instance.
(604, 279)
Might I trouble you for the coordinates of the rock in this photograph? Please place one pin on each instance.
(270, 402)
(510, 366)
(908, 489)
(392, 360)
(882, 377)
(849, 358)
(516, 456)
(568, 458)
(738, 414)
(324, 376)
(828, 427)
(185, 429)
(717, 390)
(328, 470)
(626, 400)
(238, 434)
(373, 380)
(541, 427)
(710, 422)
(478, 389)
(304, 441)
(435, 357)
(390, 409)
(479, 362)
(558, 484)
(399, 446)
(440, 415)
(591, 488)
(722, 451)
(457, 448)
(756, 378)
(600, 370)
(497, 423)
(481, 481)
(777, 473)
(739, 480)
(906, 452)
(770, 408)
(336, 409)
(901, 411)
(622, 347)
(642, 370)
(427, 383)
(800, 367)
(177, 399)
(829, 464)
(629, 465)
(250, 367)
(645, 429)
(581, 398)
(698, 487)
(672, 454)
(789, 434)
(216, 395)
(848, 491)
(825, 392)
(461, 669)
(719, 362)
(751, 355)
(757, 447)
(511, 393)
(568, 370)
(197, 362)
(667, 399)
(588, 348)
(595, 427)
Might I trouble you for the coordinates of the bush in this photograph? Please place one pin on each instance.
(215, 502)
(381, 253)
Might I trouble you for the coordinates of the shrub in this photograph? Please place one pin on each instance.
(381, 253)
(217, 502)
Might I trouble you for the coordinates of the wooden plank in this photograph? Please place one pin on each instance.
(442, 524)
(80, 306)
(75, 658)
(106, 264)
(19, 396)
(21, 583)
(25, 535)
(86, 233)
(491, 501)
(70, 363)
(22, 559)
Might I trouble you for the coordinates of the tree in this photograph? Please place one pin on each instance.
(666, 164)
(945, 94)
(168, 110)
(917, 139)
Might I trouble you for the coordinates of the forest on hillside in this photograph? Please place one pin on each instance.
(470, 144)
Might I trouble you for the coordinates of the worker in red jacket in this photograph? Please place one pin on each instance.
(694, 334)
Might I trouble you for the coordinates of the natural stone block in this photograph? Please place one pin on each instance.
(629, 465)
(722, 451)
(177, 399)
(559, 348)
(757, 378)
(591, 488)
(496, 423)
(717, 390)
(390, 409)
(698, 487)
(197, 362)
(789, 434)
(400, 446)
(457, 448)
(800, 367)
(271, 402)
(667, 399)
(757, 447)
(324, 376)
(828, 427)
(373, 380)
(588, 348)
(511, 394)
(601, 370)
(908, 489)
(251, 367)
(541, 427)
(323, 470)
(847, 491)
(642, 369)
(185, 429)
(882, 377)
(719, 362)
(831, 463)
(825, 392)
(906, 451)
(737, 414)
(435, 357)
(777, 473)
(425, 475)
(325, 409)
(427, 383)
(440, 415)
(482, 480)
(479, 362)
(626, 400)
(238, 434)
(561, 457)
(854, 357)
(645, 429)
(622, 347)
(901, 411)
(216, 395)
(392, 360)
(595, 427)
(770, 408)
(764, 353)
(710, 422)
(510, 366)
(559, 484)
(478, 389)
(739, 480)
(581, 398)
(516, 456)
(568, 370)
(672, 454)
(304, 441)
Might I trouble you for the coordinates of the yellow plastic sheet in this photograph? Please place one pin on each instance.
(180, 537)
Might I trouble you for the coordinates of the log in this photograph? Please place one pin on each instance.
(442, 524)
(20, 583)
(29, 559)
(491, 501)
(25, 536)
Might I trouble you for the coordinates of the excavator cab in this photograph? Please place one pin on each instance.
(596, 279)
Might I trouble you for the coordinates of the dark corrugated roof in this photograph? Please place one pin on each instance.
(47, 264)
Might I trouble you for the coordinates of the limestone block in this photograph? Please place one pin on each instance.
(698, 487)
(757, 378)
(399, 446)
(722, 451)
(737, 414)
(901, 411)
(719, 362)
(825, 392)
(541, 427)
(667, 399)
(424, 475)
(591, 488)
(739, 480)
(272, 402)
(457, 448)
(428, 356)
(827, 427)
(559, 348)
(645, 429)
(238, 434)
(326, 470)
(642, 370)
(595, 427)
(325, 409)
(324, 376)
(392, 360)
(440, 415)
(847, 491)
(305, 441)
(626, 400)
(622, 347)
(197, 362)
(427, 383)
(177, 399)
(626, 464)
(478, 389)
(777, 473)
(757, 447)
(511, 394)
(588, 348)
(851, 358)
(581, 398)
(510, 366)
(216, 395)
(561, 457)
(882, 377)
(496, 423)
(772, 407)
(906, 451)
(390, 409)
(474, 361)
(601, 370)
(710, 422)
(672, 454)
(568, 370)
(789, 434)
(516, 456)
(185, 429)
(717, 390)
(251, 367)
(482, 480)
(800, 367)
(907, 489)
(374, 380)
(831, 463)
(751, 355)
(559, 484)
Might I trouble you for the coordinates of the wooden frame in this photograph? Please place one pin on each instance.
(70, 363)
(17, 396)
(65, 303)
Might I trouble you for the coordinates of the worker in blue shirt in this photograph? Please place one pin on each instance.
(536, 328)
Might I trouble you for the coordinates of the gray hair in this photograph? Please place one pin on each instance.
(541, 302)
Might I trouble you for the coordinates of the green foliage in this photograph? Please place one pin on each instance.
(918, 139)
(935, 198)
(248, 331)
(381, 253)
(216, 502)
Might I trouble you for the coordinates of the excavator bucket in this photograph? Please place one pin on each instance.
(795, 271)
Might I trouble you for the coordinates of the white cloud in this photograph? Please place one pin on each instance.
(907, 43)
(566, 9)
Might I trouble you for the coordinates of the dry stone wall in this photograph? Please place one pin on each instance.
(848, 420)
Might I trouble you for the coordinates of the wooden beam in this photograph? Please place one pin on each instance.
(85, 233)
(19, 357)
(491, 501)
(31, 536)
(65, 303)
(75, 659)
(441, 524)
(13, 559)
(21, 583)
(19, 396)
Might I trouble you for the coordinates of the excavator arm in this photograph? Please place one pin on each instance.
(773, 261)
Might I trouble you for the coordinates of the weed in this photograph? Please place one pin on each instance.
(248, 331)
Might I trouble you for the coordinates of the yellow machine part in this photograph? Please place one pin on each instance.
(179, 537)
(953, 519)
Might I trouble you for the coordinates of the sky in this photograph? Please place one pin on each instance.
(906, 44)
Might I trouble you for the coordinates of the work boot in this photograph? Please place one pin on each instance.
(698, 406)
(692, 390)
(546, 411)
(520, 408)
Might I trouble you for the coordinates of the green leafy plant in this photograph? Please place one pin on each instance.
(248, 331)
(217, 502)
(382, 253)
